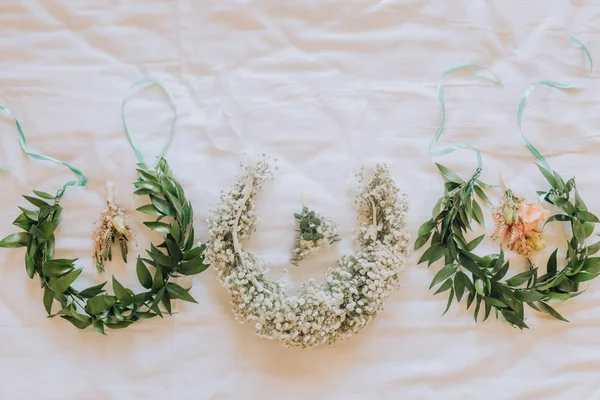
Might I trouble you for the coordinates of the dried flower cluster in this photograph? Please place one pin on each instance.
(354, 290)
(314, 233)
(113, 227)
(517, 224)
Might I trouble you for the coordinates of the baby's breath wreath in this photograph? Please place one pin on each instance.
(92, 306)
(353, 292)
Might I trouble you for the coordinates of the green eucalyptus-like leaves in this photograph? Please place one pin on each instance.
(92, 306)
(482, 278)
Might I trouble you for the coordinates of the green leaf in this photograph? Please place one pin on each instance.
(467, 263)
(528, 295)
(196, 252)
(449, 175)
(485, 185)
(61, 284)
(167, 303)
(48, 227)
(143, 274)
(521, 278)
(98, 326)
(176, 231)
(478, 214)
(579, 203)
(482, 195)
(445, 286)
(545, 307)
(551, 266)
(437, 209)
(29, 265)
(501, 272)
(432, 254)
(459, 284)
(470, 299)
(35, 201)
(158, 281)
(159, 227)
(148, 175)
(578, 231)
(177, 292)
(549, 175)
(421, 241)
(443, 274)
(587, 216)
(118, 325)
(427, 227)
(174, 250)
(15, 240)
(32, 215)
(558, 217)
(513, 319)
(162, 205)
(99, 304)
(151, 186)
(494, 302)
(475, 242)
(120, 291)
(77, 323)
(23, 222)
(588, 227)
(48, 299)
(92, 291)
(44, 195)
(57, 267)
(591, 265)
(450, 297)
(583, 277)
(192, 267)
(150, 210)
(479, 287)
(143, 192)
(476, 313)
(160, 258)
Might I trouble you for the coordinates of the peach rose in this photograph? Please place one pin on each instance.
(532, 214)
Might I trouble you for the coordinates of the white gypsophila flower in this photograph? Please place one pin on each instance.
(354, 290)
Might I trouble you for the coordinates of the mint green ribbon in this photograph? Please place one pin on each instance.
(135, 85)
(555, 85)
(82, 178)
(440, 129)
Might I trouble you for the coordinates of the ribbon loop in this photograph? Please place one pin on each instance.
(82, 178)
(440, 129)
(551, 84)
(135, 85)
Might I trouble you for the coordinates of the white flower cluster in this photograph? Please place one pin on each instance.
(354, 290)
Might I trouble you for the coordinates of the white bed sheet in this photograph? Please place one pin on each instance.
(325, 86)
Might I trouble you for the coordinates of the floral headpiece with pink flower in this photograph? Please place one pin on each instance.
(519, 228)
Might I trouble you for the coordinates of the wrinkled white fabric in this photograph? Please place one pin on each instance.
(324, 86)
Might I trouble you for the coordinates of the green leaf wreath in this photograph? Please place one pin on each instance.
(175, 256)
(481, 279)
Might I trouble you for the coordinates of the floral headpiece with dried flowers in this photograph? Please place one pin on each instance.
(177, 255)
(113, 227)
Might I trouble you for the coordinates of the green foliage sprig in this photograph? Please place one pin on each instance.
(481, 278)
(177, 255)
